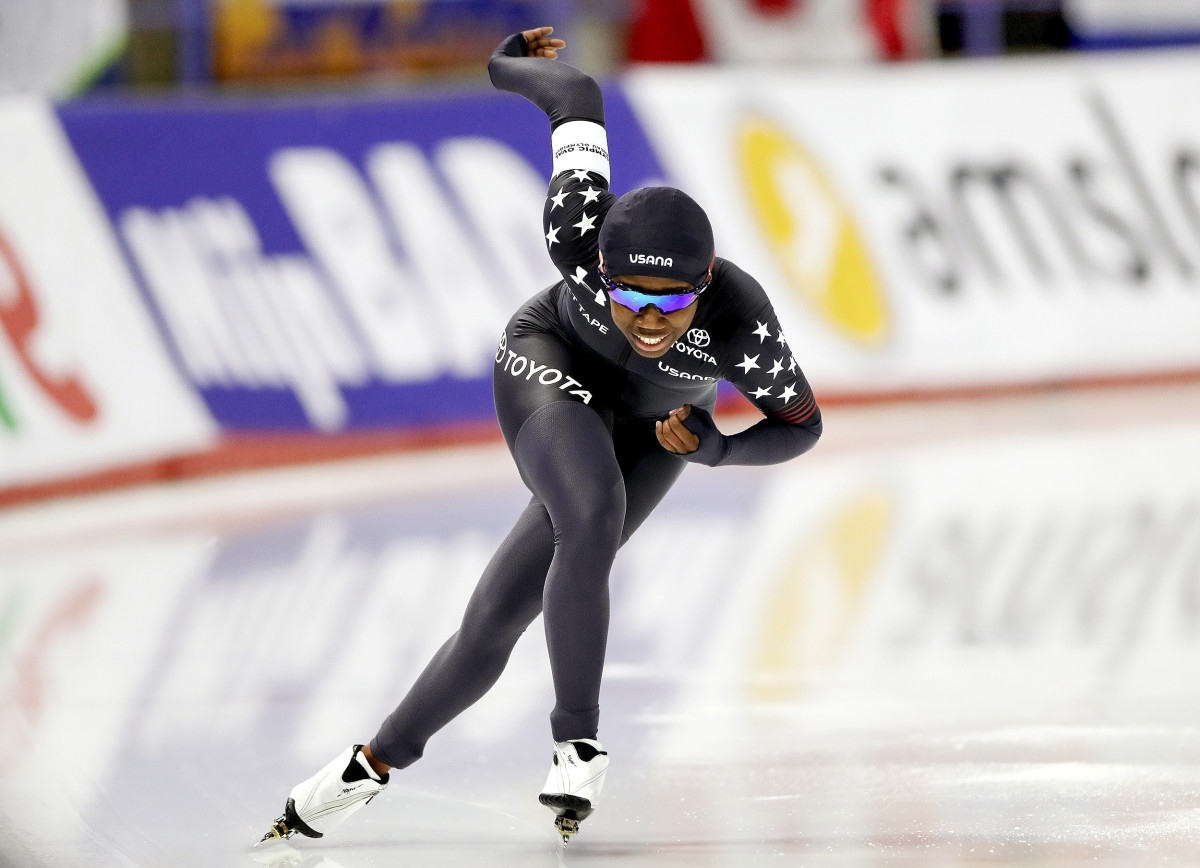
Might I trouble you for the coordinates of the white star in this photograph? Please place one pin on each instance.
(762, 331)
(776, 368)
(792, 365)
(558, 200)
(580, 275)
(747, 363)
(585, 224)
(782, 340)
(552, 236)
(788, 394)
(762, 393)
(580, 174)
(591, 194)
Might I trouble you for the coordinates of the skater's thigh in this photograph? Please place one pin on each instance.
(535, 368)
(553, 402)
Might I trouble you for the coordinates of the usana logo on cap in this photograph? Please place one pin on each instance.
(644, 259)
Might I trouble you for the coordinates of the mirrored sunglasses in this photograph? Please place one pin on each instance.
(635, 299)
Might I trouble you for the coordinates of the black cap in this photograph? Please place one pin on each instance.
(659, 232)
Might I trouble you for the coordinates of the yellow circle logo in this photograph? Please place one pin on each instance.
(810, 232)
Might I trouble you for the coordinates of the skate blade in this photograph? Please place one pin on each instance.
(279, 831)
(567, 827)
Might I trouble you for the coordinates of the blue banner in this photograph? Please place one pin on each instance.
(335, 264)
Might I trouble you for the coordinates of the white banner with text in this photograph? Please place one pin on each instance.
(954, 226)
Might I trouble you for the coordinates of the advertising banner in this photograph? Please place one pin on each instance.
(85, 383)
(337, 265)
(938, 227)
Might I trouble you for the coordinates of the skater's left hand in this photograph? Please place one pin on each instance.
(540, 44)
(691, 432)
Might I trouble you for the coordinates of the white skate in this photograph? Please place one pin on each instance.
(573, 787)
(321, 803)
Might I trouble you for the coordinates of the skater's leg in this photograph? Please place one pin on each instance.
(507, 598)
(509, 594)
(566, 456)
(598, 486)
(576, 778)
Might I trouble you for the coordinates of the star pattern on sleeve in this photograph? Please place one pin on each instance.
(747, 363)
(787, 398)
(586, 224)
(794, 403)
(572, 230)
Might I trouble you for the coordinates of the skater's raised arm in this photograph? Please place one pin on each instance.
(526, 64)
(578, 196)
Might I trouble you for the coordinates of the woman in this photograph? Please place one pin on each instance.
(604, 386)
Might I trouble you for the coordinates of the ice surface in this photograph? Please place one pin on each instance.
(955, 634)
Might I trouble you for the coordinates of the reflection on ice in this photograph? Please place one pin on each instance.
(949, 653)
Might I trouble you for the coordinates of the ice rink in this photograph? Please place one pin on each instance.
(958, 633)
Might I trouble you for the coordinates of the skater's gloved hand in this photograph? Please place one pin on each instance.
(691, 432)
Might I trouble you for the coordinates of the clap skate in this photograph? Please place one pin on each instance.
(573, 786)
(321, 803)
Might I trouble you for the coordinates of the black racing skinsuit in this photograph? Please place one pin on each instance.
(577, 407)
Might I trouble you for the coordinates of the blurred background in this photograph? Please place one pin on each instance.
(952, 198)
(76, 47)
(255, 256)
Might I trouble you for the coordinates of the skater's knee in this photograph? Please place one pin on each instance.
(594, 517)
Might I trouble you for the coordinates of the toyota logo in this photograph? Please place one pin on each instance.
(698, 337)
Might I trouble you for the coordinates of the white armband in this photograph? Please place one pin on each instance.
(580, 145)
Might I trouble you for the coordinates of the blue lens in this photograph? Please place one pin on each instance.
(635, 300)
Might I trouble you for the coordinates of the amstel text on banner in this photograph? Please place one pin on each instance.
(930, 227)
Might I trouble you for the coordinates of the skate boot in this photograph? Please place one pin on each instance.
(321, 803)
(574, 784)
